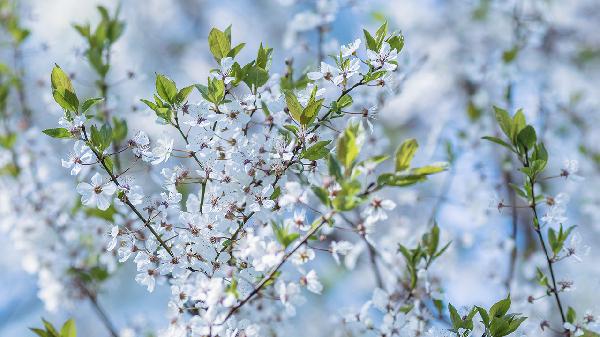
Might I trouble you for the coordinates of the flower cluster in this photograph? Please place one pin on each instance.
(249, 183)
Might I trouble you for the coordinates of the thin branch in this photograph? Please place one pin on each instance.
(267, 278)
(536, 227)
(100, 311)
(114, 179)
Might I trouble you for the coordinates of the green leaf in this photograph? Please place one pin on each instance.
(166, 88)
(344, 101)
(405, 153)
(119, 130)
(60, 80)
(372, 162)
(8, 141)
(276, 193)
(510, 55)
(262, 59)
(255, 77)
(485, 318)
(282, 234)
(498, 327)
(371, 76)
(381, 33)
(527, 137)
(216, 91)
(293, 105)
(334, 168)
(66, 99)
(518, 123)
(346, 199)
(102, 138)
(316, 151)
(371, 42)
(500, 308)
(219, 44)
(68, 329)
(498, 141)
(183, 94)
(348, 147)
(39, 332)
(571, 315)
(454, 317)
(88, 103)
(396, 42)
(514, 325)
(399, 180)
(62, 90)
(322, 194)
(150, 104)
(555, 244)
(58, 133)
(429, 169)
(310, 112)
(504, 120)
(433, 240)
(50, 329)
(235, 50)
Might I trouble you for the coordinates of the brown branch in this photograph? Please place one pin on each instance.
(267, 278)
(114, 179)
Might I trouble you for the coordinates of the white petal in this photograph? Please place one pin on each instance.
(84, 188)
(97, 179)
(314, 75)
(102, 201)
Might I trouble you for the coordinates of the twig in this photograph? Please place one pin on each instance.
(265, 280)
(114, 179)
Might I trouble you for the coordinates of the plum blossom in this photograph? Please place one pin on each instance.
(311, 281)
(574, 330)
(303, 255)
(81, 155)
(326, 72)
(347, 72)
(114, 234)
(73, 124)
(289, 295)
(162, 152)
(97, 194)
(383, 58)
(350, 48)
(340, 248)
(294, 193)
(377, 209)
(262, 200)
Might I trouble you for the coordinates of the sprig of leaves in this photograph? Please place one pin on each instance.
(68, 329)
(496, 321)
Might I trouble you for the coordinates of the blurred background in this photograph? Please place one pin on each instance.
(460, 58)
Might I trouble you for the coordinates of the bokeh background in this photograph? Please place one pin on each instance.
(456, 64)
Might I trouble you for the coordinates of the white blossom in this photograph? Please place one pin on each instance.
(97, 194)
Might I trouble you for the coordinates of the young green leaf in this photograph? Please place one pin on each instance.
(316, 151)
(348, 147)
(500, 308)
(293, 105)
(166, 88)
(405, 153)
(88, 103)
(58, 133)
(219, 44)
(68, 329)
(504, 121)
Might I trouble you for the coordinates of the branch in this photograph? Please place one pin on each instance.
(113, 178)
(536, 227)
(265, 280)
